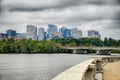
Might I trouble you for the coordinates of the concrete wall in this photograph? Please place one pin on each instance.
(86, 70)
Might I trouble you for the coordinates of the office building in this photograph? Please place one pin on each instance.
(51, 29)
(11, 33)
(93, 34)
(75, 33)
(41, 34)
(65, 32)
(2, 36)
(56, 35)
(31, 32)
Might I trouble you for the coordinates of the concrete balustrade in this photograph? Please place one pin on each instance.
(99, 65)
(86, 70)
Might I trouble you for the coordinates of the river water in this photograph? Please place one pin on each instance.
(36, 66)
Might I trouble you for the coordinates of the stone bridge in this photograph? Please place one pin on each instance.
(98, 50)
(86, 70)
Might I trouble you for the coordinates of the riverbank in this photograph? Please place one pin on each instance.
(111, 71)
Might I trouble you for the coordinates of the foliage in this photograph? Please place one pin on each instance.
(72, 44)
(12, 45)
(107, 42)
(28, 46)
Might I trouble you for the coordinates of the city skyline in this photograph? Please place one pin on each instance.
(53, 32)
(99, 15)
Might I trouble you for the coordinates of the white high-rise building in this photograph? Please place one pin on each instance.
(41, 34)
(31, 32)
(75, 33)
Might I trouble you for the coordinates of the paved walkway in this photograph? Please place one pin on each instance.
(111, 71)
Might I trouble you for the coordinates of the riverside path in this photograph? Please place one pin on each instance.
(111, 71)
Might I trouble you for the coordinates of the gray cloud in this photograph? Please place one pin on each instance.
(37, 5)
(118, 1)
(0, 6)
(101, 15)
(115, 25)
(40, 7)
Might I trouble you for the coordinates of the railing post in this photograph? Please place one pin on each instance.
(90, 74)
(99, 65)
(103, 60)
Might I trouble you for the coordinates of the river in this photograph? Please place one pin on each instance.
(36, 66)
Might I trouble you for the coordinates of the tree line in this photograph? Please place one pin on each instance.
(87, 42)
(12, 45)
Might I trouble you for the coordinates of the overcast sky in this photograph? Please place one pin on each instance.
(100, 15)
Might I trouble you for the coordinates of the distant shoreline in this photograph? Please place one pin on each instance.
(53, 53)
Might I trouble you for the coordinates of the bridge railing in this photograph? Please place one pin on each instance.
(86, 70)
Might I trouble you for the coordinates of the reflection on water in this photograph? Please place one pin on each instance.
(36, 66)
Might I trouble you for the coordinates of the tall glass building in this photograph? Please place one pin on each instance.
(75, 33)
(66, 33)
(31, 32)
(51, 29)
(41, 34)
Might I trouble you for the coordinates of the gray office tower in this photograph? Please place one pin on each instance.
(51, 29)
(41, 34)
(31, 32)
(11, 33)
(75, 33)
(93, 34)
